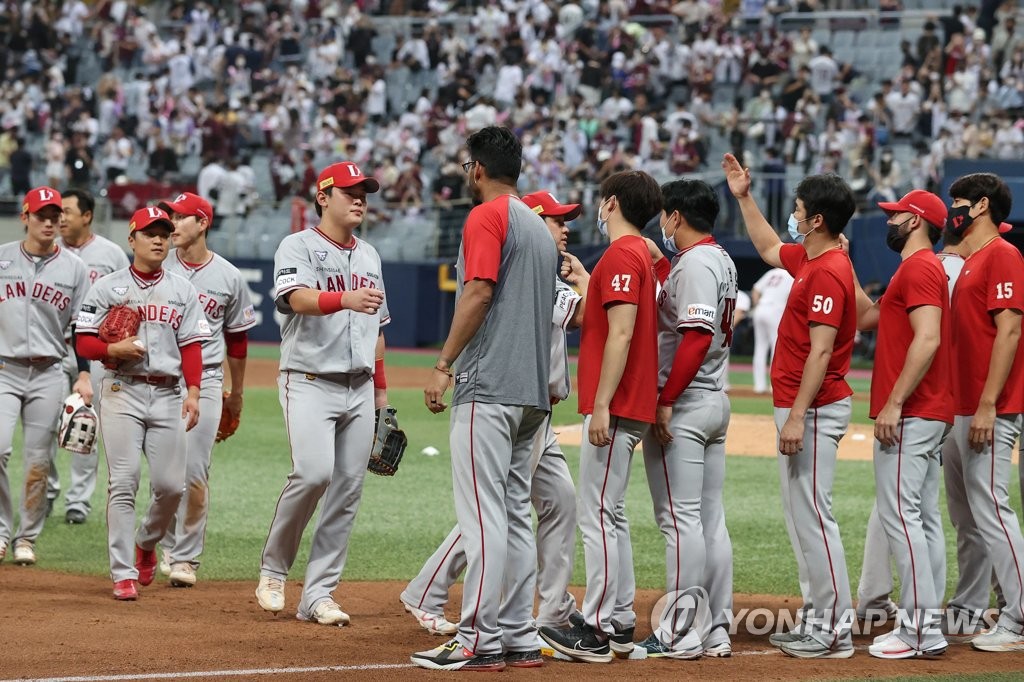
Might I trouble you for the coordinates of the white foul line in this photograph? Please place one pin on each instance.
(218, 673)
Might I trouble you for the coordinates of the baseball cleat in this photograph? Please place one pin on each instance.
(24, 552)
(720, 650)
(893, 647)
(690, 648)
(579, 643)
(453, 656)
(270, 593)
(74, 517)
(622, 641)
(125, 590)
(433, 623)
(808, 647)
(145, 564)
(999, 639)
(327, 613)
(779, 638)
(3, 550)
(165, 561)
(182, 574)
(524, 659)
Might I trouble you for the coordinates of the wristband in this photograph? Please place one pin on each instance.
(330, 301)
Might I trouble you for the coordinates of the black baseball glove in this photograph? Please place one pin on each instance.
(389, 443)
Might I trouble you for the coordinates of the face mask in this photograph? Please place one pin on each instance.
(669, 242)
(602, 224)
(896, 241)
(960, 220)
(795, 234)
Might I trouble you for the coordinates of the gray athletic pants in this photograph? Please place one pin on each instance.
(601, 510)
(806, 488)
(491, 448)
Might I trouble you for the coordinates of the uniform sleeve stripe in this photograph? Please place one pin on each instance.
(192, 339)
(694, 323)
(241, 327)
(386, 320)
(290, 289)
(570, 311)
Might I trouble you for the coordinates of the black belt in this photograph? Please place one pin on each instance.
(152, 380)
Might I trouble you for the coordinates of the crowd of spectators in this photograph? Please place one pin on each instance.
(591, 87)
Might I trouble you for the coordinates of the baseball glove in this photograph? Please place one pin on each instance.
(388, 443)
(77, 428)
(120, 323)
(228, 422)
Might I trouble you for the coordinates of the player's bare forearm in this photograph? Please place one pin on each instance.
(1004, 350)
(762, 234)
(621, 319)
(867, 310)
(926, 321)
(306, 301)
(469, 316)
(577, 317)
(822, 342)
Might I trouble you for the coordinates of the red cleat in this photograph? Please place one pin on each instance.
(124, 590)
(145, 564)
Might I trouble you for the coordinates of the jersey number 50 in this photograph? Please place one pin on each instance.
(822, 304)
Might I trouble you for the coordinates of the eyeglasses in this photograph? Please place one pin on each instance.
(468, 166)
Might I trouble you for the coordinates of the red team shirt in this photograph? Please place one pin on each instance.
(822, 292)
(623, 275)
(920, 280)
(992, 280)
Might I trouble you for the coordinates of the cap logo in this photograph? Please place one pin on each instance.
(154, 212)
(552, 197)
(46, 195)
(180, 198)
(538, 209)
(24, 207)
(326, 182)
(131, 226)
(354, 170)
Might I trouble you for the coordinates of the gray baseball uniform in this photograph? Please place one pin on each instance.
(38, 299)
(140, 409)
(501, 399)
(553, 496)
(101, 257)
(686, 476)
(326, 393)
(773, 290)
(224, 299)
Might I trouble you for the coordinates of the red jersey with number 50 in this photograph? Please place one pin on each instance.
(992, 280)
(623, 275)
(822, 293)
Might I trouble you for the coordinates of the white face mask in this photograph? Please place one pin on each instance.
(602, 223)
(797, 236)
(669, 242)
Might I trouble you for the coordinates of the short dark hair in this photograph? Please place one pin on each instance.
(86, 202)
(976, 186)
(499, 151)
(830, 196)
(695, 200)
(637, 193)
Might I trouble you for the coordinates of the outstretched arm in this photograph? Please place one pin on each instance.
(763, 236)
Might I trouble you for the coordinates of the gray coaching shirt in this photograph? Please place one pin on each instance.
(223, 297)
(700, 293)
(169, 306)
(39, 298)
(344, 342)
(100, 255)
(507, 362)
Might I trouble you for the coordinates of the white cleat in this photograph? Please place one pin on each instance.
(433, 623)
(165, 561)
(270, 594)
(327, 613)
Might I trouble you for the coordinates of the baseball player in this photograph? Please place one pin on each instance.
(618, 396)
(684, 454)
(912, 412)
(500, 342)
(769, 297)
(142, 408)
(988, 380)
(330, 287)
(41, 285)
(224, 298)
(551, 491)
(810, 393)
(101, 257)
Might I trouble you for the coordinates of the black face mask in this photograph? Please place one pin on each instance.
(959, 220)
(894, 240)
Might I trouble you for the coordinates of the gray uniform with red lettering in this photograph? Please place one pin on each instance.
(326, 392)
(553, 496)
(224, 299)
(101, 257)
(140, 409)
(38, 299)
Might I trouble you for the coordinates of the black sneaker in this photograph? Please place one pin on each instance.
(74, 517)
(622, 641)
(579, 643)
(576, 619)
(524, 659)
(453, 656)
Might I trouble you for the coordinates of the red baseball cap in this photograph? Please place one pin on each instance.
(544, 203)
(188, 203)
(147, 216)
(40, 197)
(919, 202)
(345, 174)
(1004, 228)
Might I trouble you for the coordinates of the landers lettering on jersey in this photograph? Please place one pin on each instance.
(337, 283)
(211, 306)
(15, 290)
(163, 314)
(40, 292)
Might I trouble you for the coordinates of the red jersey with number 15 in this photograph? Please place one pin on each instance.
(624, 274)
(822, 293)
(992, 280)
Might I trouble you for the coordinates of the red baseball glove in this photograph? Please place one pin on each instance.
(120, 323)
(228, 422)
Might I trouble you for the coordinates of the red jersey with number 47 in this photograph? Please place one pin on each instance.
(992, 280)
(623, 275)
(822, 293)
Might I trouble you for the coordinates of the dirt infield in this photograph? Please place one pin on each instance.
(65, 625)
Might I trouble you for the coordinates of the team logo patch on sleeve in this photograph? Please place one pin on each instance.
(701, 313)
(204, 327)
(248, 314)
(286, 277)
